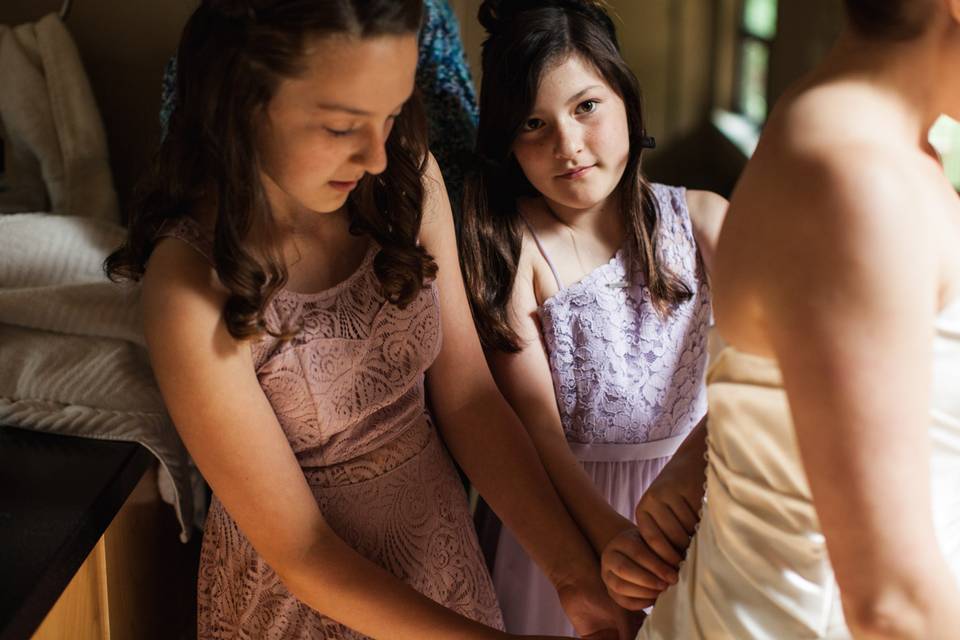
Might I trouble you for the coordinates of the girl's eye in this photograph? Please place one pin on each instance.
(339, 133)
(587, 106)
(532, 124)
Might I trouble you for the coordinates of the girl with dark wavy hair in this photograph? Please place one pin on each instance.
(589, 289)
(301, 296)
(833, 487)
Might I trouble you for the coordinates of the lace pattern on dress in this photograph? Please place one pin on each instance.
(621, 372)
(348, 392)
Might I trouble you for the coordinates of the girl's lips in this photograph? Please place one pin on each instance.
(573, 174)
(343, 186)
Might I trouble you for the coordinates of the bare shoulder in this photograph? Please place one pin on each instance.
(181, 293)
(528, 266)
(706, 207)
(847, 214)
(707, 212)
(436, 202)
(533, 272)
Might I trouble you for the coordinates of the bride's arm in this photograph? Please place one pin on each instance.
(849, 294)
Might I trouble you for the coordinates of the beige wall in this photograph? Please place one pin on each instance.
(806, 29)
(667, 43)
(670, 45)
(124, 45)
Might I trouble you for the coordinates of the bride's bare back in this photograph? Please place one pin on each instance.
(838, 258)
(837, 167)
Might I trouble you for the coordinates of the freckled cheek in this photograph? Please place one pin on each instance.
(611, 143)
(315, 161)
(536, 161)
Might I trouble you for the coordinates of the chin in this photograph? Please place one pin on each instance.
(330, 205)
(580, 200)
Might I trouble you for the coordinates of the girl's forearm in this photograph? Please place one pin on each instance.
(599, 521)
(497, 455)
(336, 581)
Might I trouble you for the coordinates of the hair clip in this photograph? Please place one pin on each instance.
(648, 142)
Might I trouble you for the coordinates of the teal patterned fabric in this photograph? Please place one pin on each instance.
(444, 82)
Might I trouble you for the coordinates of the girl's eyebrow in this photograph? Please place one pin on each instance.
(575, 97)
(355, 111)
(328, 106)
(579, 94)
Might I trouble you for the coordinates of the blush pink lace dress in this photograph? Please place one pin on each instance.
(630, 385)
(349, 394)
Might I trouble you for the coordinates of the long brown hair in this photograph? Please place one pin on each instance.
(232, 56)
(525, 38)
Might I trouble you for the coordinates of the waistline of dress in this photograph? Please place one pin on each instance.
(627, 452)
(380, 461)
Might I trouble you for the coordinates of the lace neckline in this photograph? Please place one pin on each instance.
(362, 268)
(617, 276)
(205, 244)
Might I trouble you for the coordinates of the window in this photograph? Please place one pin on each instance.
(758, 27)
(945, 136)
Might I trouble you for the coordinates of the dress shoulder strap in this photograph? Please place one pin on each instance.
(189, 231)
(543, 251)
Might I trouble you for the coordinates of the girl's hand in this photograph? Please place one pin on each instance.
(634, 574)
(668, 512)
(592, 611)
(639, 563)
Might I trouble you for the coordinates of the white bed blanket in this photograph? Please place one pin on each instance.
(72, 359)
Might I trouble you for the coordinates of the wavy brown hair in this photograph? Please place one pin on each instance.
(232, 56)
(525, 38)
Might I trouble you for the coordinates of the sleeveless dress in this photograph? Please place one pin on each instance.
(758, 566)
(348, 392)
(629, 385)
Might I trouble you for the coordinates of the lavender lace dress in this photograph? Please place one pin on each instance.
(630, 386)
(349, 394)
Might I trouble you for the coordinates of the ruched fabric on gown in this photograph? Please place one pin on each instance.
(758, 565)
(348, 391)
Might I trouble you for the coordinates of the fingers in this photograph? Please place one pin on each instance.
(686, 515)
(663, 517)
(636, 605)
(635, 590)
(631, 559)
(663, 533)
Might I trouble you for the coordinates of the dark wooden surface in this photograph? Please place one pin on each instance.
(58, 494)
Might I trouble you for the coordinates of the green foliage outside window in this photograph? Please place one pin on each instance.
(945, 136)
(760, 18)
(757, 31)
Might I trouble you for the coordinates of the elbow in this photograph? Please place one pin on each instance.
(298, 564)
(893, 614)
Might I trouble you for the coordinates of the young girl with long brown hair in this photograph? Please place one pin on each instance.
(302, 297)
(589, 288)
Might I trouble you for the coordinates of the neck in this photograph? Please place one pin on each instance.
(294, 219)
(906, 79)
(600, 219)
